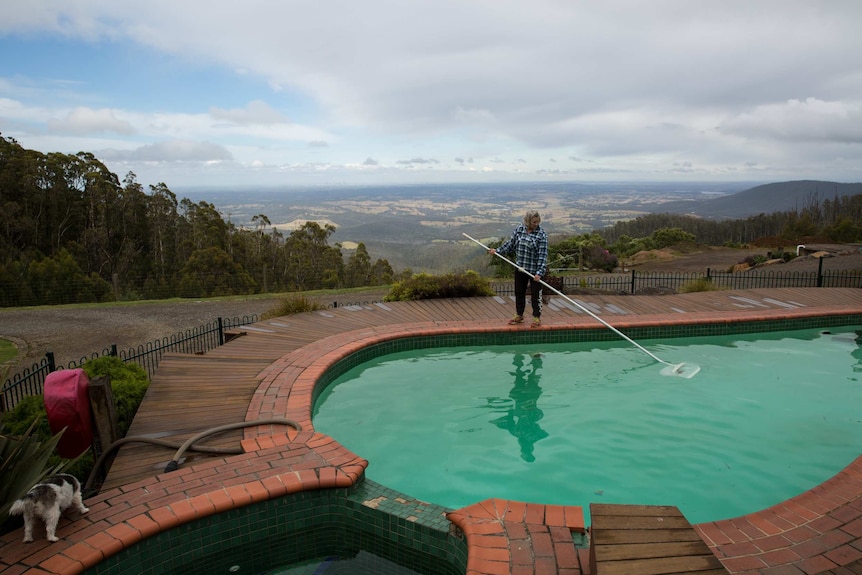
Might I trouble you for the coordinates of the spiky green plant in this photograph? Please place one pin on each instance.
(24, 463)
(293, 305)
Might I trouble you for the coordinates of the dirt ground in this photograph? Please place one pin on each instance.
(72, 332)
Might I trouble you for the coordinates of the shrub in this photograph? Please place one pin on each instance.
(27, 411)
(293, 305)
(129, 384)
(753, 260)
(698, 285)
(666, 237)
(426, 286)
(600, 258)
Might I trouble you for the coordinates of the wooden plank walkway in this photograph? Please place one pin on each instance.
(647, 540)
(193, 393)
(190, 394)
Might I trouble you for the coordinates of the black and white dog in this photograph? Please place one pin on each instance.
(48, 500)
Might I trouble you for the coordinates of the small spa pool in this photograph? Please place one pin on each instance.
(769, 416)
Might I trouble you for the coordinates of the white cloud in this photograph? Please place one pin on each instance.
(627, 87)
(809, 120)
(417, 161)
(84, 120)
(171, 151)
(256, 112)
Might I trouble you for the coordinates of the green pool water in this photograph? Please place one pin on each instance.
(768, 416)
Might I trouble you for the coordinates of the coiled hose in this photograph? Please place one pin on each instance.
(188, 445)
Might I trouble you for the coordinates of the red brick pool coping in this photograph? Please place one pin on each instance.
(816, 532)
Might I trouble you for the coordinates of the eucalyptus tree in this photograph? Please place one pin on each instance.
(134, 251)
(19, 189)
(382, 273)
(271, 262)
(210, 272)
(102, 235)
(164, 231)
(310, 262)
(261, 260)
(358, 271)
(206, 226)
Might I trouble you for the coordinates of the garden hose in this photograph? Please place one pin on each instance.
(175, 462)
(188, 445)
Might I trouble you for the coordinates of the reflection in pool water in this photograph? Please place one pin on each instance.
(522, 413)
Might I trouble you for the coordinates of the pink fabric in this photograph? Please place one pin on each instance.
(68, 406)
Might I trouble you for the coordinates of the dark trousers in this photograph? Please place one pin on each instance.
(521, 282)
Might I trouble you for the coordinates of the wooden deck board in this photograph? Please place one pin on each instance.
(646, 540)
(192, 393)
(189, 394)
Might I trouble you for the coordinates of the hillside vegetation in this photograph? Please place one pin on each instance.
(73, 232)
(766, 199)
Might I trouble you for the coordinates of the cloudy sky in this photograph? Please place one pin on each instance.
(207, 92)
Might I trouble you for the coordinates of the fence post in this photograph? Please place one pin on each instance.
(633, 281)
(220, 332)
(113, 350)
(52, 367)
(708, 275)
(820, 273)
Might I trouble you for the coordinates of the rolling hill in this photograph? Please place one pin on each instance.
(764, 199)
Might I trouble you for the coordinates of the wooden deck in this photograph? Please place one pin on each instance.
(193, 393)
(647, 540)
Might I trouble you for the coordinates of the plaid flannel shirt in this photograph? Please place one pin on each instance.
(530, 249)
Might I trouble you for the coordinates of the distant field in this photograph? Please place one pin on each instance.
(421, 227)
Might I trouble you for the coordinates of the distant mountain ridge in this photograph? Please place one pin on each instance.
(764, 199)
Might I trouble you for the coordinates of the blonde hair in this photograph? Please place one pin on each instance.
(530, 215)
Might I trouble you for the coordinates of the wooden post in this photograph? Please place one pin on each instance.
(104, 412)
(820, 272)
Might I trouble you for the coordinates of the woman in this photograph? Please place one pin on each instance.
(529, 243)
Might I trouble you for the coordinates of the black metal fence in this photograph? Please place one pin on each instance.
(31, 380)
(642, 282)
(196, 340)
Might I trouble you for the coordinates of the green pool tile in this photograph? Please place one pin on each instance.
(292, 529)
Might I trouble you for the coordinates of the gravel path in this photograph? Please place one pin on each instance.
(73, 332)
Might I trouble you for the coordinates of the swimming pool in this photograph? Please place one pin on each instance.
(769, 416)
(821, 513)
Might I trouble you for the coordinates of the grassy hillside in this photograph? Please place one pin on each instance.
(765, 199)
